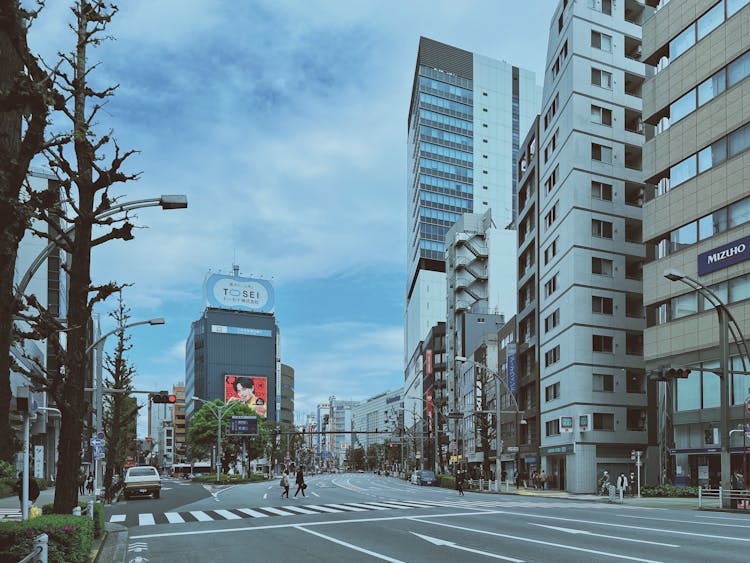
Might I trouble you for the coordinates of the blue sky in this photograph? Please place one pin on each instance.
(284, 122)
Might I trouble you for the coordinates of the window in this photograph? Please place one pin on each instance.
(601, 78)
(601, 343)
(601, 229)
(551, 181)
(552, 356)
(601, 266)
(602, 305)
(710, 20)
(680, 108)
(551, 216)
(552, 427)
(601, 153)
(603, 383)
(636, 381)
(552, 321)
(636, 419)
(604, 421)
(551, 286)
(603, 6)
(551, 111)
(551, 251)
(601, 41)
(600, 115)
(552, 392)
(739, 213)
(600, 190)
(682, 43)
(734, 6)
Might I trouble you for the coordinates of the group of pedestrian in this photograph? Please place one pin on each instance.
(299, 481)
(85, 482)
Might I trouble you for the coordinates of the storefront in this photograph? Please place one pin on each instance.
(556, 465)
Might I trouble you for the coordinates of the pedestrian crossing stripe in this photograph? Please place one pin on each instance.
(150, 519)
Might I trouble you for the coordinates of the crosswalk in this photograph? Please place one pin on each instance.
(151, 519)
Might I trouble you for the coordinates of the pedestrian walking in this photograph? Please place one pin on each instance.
(604, 483)
(300, 480)
(33, 490)
(81, 482)
(622, 484)
(90, 484)
(460, 483)
(543, 479)
(285, 484)
(516, 478)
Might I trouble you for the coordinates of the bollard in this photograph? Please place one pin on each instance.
(721, 497)
(40, 542)
(90, 509)
(700, 497)
(77, 511)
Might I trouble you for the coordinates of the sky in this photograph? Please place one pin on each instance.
(284, 123)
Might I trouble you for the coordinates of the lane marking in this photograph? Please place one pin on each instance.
(300, 510)
(586, 533)
(687, 521)
(201, 516)
(346, 507)
(323, 508)
(530, 540)
(349, 545)
(444, 543)
(369, 506)
(265, 496)
(118, 518)
(316, 494)
(174, 518)
(737, 518)
(228, 515)
(275, 511)
(146, 519)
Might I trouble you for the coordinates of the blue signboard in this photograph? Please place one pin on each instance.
(724, 256)
(512, 372)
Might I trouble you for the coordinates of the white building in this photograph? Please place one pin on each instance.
(372, 415)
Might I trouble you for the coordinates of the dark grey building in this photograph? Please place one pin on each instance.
(223, 344)
(286, 415)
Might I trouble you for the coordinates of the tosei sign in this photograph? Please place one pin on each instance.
(724, 256)
(238, 294)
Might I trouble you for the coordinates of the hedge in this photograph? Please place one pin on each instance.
(669, 491)
(446, 481)
(98, 515)
(70, 538)
(230, 479)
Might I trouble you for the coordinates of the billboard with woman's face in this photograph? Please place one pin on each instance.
(250, 389)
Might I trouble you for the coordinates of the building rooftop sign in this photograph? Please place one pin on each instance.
(238, 294)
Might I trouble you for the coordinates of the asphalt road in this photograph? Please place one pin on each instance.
(364, 517)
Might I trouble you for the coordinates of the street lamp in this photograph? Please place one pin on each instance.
(498, 442)
(219, 411)
(724, 328)
(98, 386)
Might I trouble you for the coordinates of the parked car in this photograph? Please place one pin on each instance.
(142, 480)
(424, 477)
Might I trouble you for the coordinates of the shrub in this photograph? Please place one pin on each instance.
(669, 491)
(446, 481)
(98, 515)
(70, 538)
(229, 479)
(6, 486)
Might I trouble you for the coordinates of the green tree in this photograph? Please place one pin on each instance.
(355, 458)
(121, 409)
(203, 433)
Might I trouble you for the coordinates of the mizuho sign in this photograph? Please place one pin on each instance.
(724, 256)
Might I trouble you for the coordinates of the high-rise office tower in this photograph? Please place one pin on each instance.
(698, 223)
(589, 251)
(466, 115)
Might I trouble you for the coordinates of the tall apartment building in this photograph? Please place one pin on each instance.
(465, 119)
(286, 395)
(698, 222)
(590, 320)
(178, 422)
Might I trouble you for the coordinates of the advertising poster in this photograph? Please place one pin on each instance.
(250, 389)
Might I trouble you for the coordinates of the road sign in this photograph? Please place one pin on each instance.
(243, 426)
(96, 442)
(747, 404)
(98, 452)
(512, 449)
(100, 435)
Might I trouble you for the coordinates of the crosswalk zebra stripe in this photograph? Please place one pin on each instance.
(322, 508)
(391, 505)
(201, 516)
(252, 513)
(146, 519)
(367, 506)
(275, 510)
(300, 510)
(118, 518)
(346, 507)
(174, 518)
(228, 515)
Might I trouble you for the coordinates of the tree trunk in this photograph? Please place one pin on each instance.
(10, 234)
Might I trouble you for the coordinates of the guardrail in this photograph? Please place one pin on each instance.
(486, 485)
(734, 499)
(39, 553)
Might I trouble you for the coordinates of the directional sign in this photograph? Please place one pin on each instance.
(243, 426)
(96, 442)
(98, 452)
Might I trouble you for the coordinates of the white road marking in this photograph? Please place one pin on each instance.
(146, 519)
(322, 508)
(530, 540)
(598, 535)
(253, 513)
(174, 518)
(737, 518)
(201, 516)
(228, 515)
(390, 505)
(350, 546)
(370, 505)
(118, 518)
(444, 543)
(300, 510)
(315, 494)
(275, 511)
(265, 496)
(686, 521)
(346, 507)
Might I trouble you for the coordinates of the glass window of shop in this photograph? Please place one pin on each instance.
(688, 396)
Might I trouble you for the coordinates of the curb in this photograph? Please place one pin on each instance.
(114, 546)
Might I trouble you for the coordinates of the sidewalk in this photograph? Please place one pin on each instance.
(11, 508)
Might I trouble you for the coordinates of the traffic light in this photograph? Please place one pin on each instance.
(678, 373)
(163, 397)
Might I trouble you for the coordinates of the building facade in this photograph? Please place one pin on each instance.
(178, 422)
(590, 314)
(466, 113)
(370, 417)
(697, 223)
(286, 413)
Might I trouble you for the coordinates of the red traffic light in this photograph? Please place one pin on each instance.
(678, 373)
(163, 397)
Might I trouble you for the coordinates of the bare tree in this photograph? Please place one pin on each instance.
(86, 175)
(26, 94)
